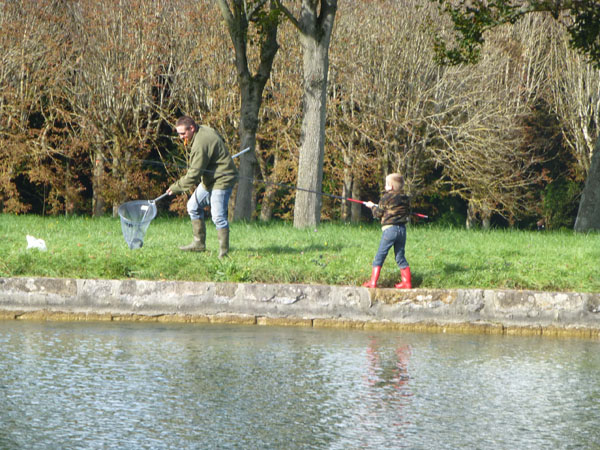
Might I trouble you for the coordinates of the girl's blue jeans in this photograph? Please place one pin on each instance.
(394, 236)
(218, 199)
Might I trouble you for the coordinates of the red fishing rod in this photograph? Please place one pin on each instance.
(422, 216)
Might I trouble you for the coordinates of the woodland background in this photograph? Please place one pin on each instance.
(89, 93)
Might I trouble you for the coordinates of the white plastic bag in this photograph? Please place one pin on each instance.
(36, 243)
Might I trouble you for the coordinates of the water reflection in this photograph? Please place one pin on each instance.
(108, 385)
(379, 418)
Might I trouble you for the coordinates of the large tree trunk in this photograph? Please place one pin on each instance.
(247, 130)
(307, 210)
(588, 215)
(315, 34)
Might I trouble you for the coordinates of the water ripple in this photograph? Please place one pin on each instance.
(107, 385)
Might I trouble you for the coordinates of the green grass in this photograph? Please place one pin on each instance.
(336, 254)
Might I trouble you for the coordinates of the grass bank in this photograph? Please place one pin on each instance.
(337, 254)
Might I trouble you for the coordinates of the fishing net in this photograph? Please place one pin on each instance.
(135, 219)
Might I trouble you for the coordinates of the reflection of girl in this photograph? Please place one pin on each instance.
(379, 375)
(402, 353)
(389, 390)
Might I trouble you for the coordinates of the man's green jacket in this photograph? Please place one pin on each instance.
(210, 163)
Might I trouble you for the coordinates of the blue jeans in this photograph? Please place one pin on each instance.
(218, 199)
(393, 236)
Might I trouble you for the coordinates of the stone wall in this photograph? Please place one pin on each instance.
(460, 310)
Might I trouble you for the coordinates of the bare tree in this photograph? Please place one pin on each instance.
(315, 24)
(197, 76)
(480, 143)
(238, 15)
(115, 82)
(580, 19)
(33, 117)
(575, 87)
(279, 133)
(382, 80)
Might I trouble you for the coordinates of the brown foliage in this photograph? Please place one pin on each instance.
(89, 92)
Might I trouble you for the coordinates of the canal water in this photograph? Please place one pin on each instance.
(161, 386)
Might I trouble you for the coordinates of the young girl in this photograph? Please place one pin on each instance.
(393, 210)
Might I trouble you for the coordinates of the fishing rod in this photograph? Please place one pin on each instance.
(272, 183)
(310, 191)
(178, 166)
(240, 153)
(325, 194)
(422, 216)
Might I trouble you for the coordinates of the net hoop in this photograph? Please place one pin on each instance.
(135, 219)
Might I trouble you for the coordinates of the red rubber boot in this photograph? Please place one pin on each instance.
(372, 283)
(405, 276)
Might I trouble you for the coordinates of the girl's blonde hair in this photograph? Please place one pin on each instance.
(396, 181)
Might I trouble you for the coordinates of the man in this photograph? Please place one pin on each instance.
(212, 172)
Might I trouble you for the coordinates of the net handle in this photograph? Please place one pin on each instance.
(159, 197)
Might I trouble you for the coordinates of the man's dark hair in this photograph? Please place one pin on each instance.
(187, 122)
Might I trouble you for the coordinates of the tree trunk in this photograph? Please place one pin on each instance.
(266, 210)
(346, 192)
(251, 88)
(588, 215)
(471, 216)
(307, 210)
(486, 217)
(119, 161)
(247, 130)
(355, 209)
(315, 36)
(98, 202)
(268, 201)
(69, 197)
(347, 186)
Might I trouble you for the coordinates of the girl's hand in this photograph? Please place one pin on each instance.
(369, 204)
